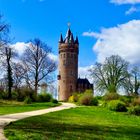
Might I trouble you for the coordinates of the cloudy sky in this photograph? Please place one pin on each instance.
(104, 27)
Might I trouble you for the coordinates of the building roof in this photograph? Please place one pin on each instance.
(83, 81)
(69, 38)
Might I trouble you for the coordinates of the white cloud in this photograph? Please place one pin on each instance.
(84, 72)
(123, 40)
(53, 57)
(91, 34)
(132, 10)
(20, 47)
(125, 1)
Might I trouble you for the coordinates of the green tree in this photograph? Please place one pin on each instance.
(110, 75)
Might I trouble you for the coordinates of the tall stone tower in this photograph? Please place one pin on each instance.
(68, 65)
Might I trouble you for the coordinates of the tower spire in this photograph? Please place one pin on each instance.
(61, 39)
(76, 40)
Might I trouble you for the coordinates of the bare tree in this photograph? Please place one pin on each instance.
(37, 62)
(132, 83)
(7, 55)
(4, 29)
(18, 75)
(110, 75)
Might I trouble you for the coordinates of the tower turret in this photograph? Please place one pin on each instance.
(68, 65)
(61, 39)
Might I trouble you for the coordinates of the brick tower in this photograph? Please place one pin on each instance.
(68, 65)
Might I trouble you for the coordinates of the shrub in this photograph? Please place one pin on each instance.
(71, 99)
(44, 97)
(94, 101)
(28, 100)
(135, 110)
(136, 102)
(111, 96)
(54, 101)
(126, 99)
(74, 98)
(104, 104)
(14, 95)
(116, 105)
(26, 92)
(86, 99)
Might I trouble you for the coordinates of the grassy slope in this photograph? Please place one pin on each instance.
(8, 107)
(85, 123)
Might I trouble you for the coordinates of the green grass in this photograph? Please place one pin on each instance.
(84, 123)
(9, 107)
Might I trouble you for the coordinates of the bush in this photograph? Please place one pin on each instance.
(116, 105)
(4, 95)
(74, 98)
(88, 99)
(14, 95)
(26, 92)
(54, 101)
(136, 102)
(126, 99)
(135, 110)
(44, 97)
(71, 99)
(28, 100)
(111, 96)
(94, 101)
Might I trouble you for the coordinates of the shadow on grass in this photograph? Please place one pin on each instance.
(59, 130)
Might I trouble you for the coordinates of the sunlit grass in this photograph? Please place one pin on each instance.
(83, 123)
(8, 107)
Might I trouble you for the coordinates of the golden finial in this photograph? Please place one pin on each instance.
(69, 24)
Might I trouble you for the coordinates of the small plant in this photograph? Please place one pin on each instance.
(117, 105)
(28, 100)
(135, 110)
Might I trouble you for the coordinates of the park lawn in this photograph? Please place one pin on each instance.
(82, 123)
(9, 107)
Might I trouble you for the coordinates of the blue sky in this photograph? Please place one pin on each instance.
(46, 19)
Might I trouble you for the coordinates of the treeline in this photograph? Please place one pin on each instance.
(115, 75)
(21, 75)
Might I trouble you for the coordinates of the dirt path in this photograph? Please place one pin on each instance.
(6, 119)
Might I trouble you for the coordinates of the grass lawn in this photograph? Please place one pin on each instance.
(9, 107)
(83, 123)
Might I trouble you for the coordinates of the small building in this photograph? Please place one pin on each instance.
(83, 85)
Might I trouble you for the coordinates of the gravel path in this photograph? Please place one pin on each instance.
(6, 119)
